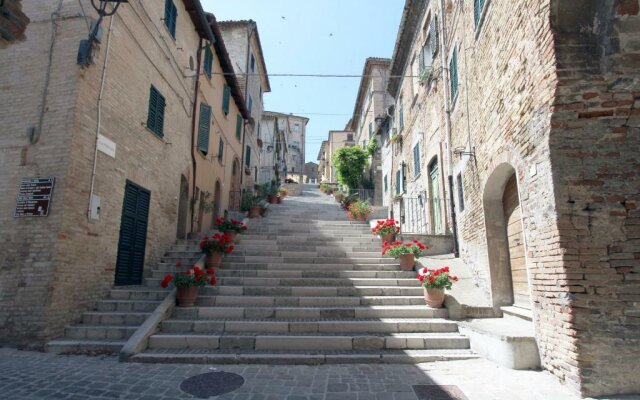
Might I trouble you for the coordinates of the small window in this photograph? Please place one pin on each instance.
(155, 116)
(238, 126)
(416, 159)
(220, 150)
(170, 16)
(478, 6)
(453, 72)
(398, 181)
(250, 104)
(460, 192)
(208, 61)
(203, 128)
(226, 93)
(253, 63)
(386, 186)
(349, 137)
(370, 129)
(247, 157)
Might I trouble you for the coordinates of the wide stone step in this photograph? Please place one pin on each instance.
(140, 294)
(321, 326)
(315, 260)
(316, 274)
(127, 305)
(301, 358)
(301, 301)
(206, 313)
(114, 318)
(333, 282)
(316, 291)
(115, 332)
(298, 342)
(84, 346)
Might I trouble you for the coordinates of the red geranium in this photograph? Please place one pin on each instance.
(230, 225)
(387, 226)
(397, 249)
(194, 276)
(216, 243)
(436, 278)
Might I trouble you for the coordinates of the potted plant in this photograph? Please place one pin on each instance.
(359, 211)
(339, 196)
(283, 192)
(271, 190)
(406, 253)
(434, 282)
(230, 227)
(188, 282)
(386, 229)
(214, 247)
(255, 208)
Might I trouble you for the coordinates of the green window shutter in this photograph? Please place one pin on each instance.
(433, 36)
(398, 182)
(155, 116)
(370, 129)
(204, 126)
(238, 126)
(225, 99)
(478, 6)
(247, 157)
(220, 150)
(401, 118)
(416, 160)
(170, 17)
(453, 71)
(421, 60)
(385, 184)
(208, 61)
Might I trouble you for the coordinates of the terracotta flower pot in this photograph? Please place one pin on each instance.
(389, 237)
(407, 261)
(272, 199)
(279, 199)
(433, 297)
(254, 212)
(214, 259)
(232, 235)
(187, 296)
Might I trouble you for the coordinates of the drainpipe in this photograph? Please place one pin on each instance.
(193, 134)
(447, 122)
(246, 93)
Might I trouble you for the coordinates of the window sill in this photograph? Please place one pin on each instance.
(155, 135)
(415, 178)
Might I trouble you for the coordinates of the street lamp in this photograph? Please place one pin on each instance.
(85, 57)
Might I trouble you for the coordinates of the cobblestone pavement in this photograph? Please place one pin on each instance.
(35, 375)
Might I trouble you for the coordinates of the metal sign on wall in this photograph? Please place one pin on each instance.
(34, 197)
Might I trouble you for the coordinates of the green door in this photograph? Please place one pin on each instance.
(434, 192)
(133, 235)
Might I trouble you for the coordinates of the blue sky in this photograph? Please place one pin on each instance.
(317, 37)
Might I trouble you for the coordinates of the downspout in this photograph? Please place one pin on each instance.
(447, 123)
(193, 134)
(246, 92)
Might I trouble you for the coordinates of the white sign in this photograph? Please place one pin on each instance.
(106, 146)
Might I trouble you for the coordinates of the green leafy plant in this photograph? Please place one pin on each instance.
(436, 278)
(230, 225)
(372, 147)
(194, 276)
(397, 249)
(349, 163)
(359, 211)
(387, 226)
(339, 196)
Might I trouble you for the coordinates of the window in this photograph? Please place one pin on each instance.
(203, 128)
(398, 181)
(247, 157)
(386, 186)
(155, 117)
(416, 159)
(453, 74)
(478, 6)
(349, 137)
(220, 150)
(250, 104)
(170, 15)
(460, 193)
(370, 129)
(238, 126)
(208, 61)
(226, 93)
(253, 63)
(429, 50)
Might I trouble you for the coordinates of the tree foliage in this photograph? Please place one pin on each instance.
(349, 163)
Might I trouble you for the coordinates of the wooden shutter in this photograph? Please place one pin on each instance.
(155, 117)
(238, 126)
(478, 5)
(433, 36)
(416, 160)
(225, 99)
(133, 235)
(453, 71)
(398, 182)
(170, 16)
(208, 61)
(220, 150)
(204, 125)
(247, 158)
(421, 60)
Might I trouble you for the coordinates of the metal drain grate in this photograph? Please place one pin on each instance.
(211, 384)
(438, 392)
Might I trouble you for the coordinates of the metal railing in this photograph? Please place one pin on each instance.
(421, 214)
(364, 194)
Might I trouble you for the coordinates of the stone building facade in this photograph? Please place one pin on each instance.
(310, 172)
(296, 128)
(369, 112)
(245, 50)
(115, 135)
(337, 140)
(528, 114)
(323, 163)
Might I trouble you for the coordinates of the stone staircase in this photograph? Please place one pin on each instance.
(115, 318)
(305, 286)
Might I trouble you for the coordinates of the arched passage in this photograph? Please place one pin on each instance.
(505, 240)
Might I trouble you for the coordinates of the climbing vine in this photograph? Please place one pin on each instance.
(349, 163)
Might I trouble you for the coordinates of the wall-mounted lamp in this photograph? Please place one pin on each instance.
(85, 49)
(460, 151)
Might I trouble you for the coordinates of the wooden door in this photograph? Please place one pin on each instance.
(512, 217)
(133, 235)
(434, 191)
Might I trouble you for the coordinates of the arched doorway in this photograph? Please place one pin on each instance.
(434, 196)
(505, 239)
(183, 208)
(216, 201)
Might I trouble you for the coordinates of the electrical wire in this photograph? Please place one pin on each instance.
(297, 75)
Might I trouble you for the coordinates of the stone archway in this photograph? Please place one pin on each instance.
(505, 239)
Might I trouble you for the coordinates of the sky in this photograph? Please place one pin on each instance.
(316, 37)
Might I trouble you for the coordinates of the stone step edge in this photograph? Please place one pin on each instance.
(400, 357)
(84, 346)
